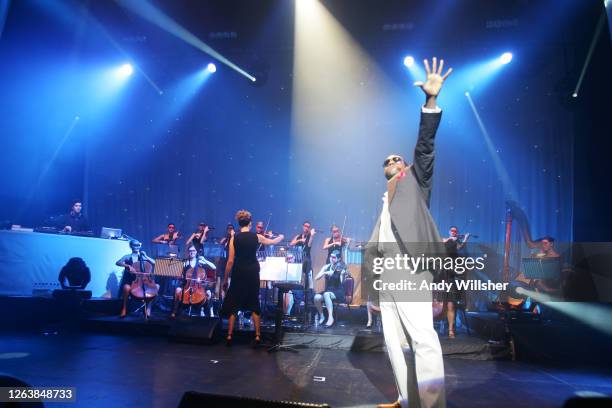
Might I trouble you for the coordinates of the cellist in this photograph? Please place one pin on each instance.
(128, 261)
(193, 263)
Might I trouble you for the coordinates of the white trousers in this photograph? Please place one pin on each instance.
(409, 325)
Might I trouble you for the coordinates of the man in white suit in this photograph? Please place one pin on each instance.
(405, 227)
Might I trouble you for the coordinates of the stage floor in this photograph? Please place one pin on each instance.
(139, 371)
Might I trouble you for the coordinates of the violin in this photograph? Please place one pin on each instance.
(144, 286)
(194, 290)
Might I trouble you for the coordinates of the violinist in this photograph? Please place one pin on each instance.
(337, 242)
(198, 238)
(453, 244)
(128, 262)
(262, 231)
(335, 273)
(194, 281)
(169, 237)
(304, 241)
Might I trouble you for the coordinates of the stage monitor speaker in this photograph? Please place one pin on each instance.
(589, 402)
(192, 399)
(204, 330)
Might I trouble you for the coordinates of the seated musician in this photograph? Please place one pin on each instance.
(75, 274)
(335, 272)
(170, 237)
(336, 242)
(190, 264)
(544, 249)
(74, 221)
(198, 238)
(128, 261)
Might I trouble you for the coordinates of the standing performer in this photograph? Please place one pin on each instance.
(198, 238)
(336, 242)
(404, 222)
(128, 261)
(304, 241)
(243, 267)
(453, 244)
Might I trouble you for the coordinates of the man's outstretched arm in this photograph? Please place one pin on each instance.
(424, 154)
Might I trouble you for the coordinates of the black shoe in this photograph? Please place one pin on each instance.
(228, 342)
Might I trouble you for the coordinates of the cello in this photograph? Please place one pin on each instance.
(143, 287)
(194, 290)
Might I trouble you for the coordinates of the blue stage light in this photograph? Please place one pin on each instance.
(211, 68)
(505, 58)
(409, 61)
(125, 70)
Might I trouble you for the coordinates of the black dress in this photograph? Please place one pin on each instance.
(243, 293)
(333, 283)
(454, 294)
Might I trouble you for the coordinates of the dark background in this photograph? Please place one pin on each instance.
(140, 159)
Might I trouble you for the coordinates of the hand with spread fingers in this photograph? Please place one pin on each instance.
(435, 79)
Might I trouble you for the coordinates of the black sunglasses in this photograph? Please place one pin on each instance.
(395, 159)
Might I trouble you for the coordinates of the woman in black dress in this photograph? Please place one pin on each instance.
(454, 243)
(243, 267)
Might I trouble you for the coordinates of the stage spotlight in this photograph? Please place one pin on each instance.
(505, 58)
(126, 70)
(467, 93)
(211, 68)
(574, 95)
(409, 61)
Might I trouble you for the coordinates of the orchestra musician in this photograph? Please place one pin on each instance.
(243, 268)
(543, 248)
(198, 238)
(170, 237)
(192, 261)
(128, 261)
(260, 229)
(454, 243)
(335, 242)
(335, 272)
(304, 242)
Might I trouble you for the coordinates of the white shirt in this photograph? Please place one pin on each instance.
(385, 233)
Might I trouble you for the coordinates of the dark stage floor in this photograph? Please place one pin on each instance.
(138, 371)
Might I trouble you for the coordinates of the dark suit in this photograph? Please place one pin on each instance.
(415, 233)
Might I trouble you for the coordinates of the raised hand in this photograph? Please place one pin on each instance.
(435, 79)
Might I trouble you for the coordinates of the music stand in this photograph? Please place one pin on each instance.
(542, 268)
(283, 287)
